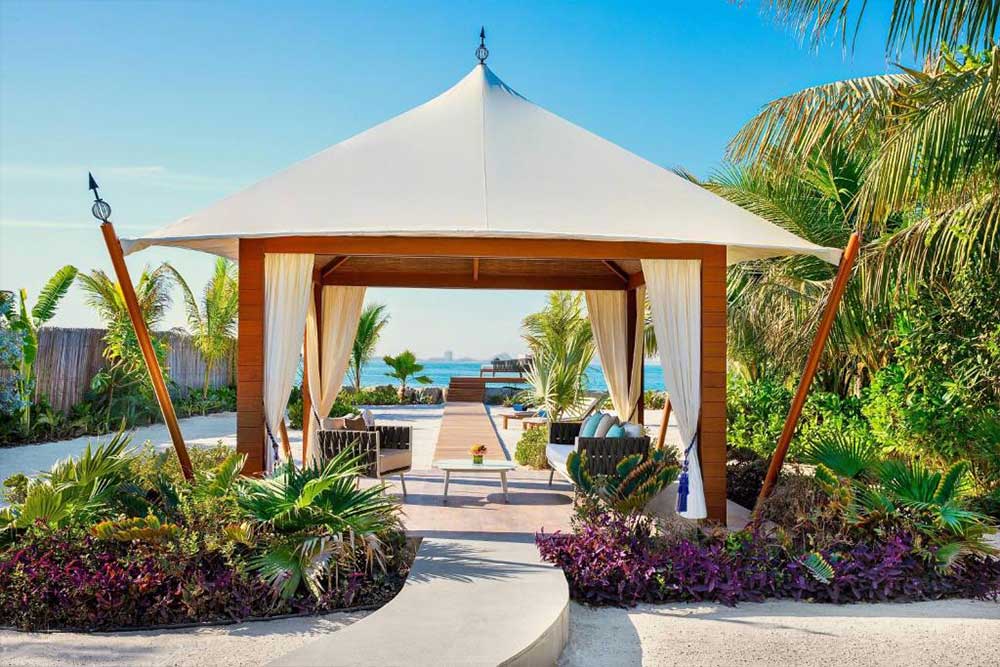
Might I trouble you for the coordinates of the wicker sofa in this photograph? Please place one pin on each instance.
(603, 454)
(386, 450)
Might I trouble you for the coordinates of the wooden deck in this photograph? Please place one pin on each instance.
(463, 425)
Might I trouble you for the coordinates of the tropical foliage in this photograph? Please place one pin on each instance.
(22, 325)
(114, 529)
(373, 319)
(213, 322)
(562, 347)
(405, 367)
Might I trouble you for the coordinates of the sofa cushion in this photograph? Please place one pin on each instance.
(393, 459)
(369, 417)
(616, 431)
(334, 424)
(607, 421)
(355, 423)
(633, 430)
(589, 426)
(556, 455)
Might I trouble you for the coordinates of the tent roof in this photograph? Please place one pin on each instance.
(480, 160)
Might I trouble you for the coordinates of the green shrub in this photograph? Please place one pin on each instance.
(654, 400)
(530, 449)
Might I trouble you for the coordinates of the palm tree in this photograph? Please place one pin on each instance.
(562, 347)
(373, 319)
(27, 323)
(121, 347)
(404, 366)
(213, 324)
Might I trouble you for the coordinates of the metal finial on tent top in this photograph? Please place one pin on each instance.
(101, 209)
(482, 52)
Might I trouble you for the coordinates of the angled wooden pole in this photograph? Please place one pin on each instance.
(812, 363)
(662, 435)
(146, 345)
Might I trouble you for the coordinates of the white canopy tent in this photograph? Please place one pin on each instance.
(480, 174)
(480, 160)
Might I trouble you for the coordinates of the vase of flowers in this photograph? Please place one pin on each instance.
(478, 452)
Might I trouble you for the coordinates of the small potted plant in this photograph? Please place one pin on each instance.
(478, 452)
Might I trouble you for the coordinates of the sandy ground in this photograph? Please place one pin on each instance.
(952, 632)
(254, 643)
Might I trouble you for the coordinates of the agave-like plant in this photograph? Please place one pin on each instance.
(880, 494)
(633, 484)
(75, 490)
(318, 520)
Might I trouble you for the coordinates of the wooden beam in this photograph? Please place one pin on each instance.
(146, 347)
(416, 246)
(475, 269)
(631, 308)
(332, 266)
(812, 363)
(636, 280)
(617, 270)
(466, 281)
(712, 421)
(286, 445)
(250, 358)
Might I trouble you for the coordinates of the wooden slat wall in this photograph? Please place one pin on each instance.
(712, 443)
(68, 359)
(250, 358)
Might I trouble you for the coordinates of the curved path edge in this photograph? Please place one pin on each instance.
(476, 600)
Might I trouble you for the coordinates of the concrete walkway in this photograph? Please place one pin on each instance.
(473, 601)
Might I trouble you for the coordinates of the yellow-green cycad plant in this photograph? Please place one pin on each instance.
(633, 484)
(213, 323)
(315, 521)
(878, 495)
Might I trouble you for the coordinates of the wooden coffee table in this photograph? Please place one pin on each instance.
(466, 465)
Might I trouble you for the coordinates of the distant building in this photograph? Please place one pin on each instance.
(449, 355)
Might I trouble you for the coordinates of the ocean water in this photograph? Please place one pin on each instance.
(441, 372)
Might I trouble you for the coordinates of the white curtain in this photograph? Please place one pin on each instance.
(338, 324)
(674, 289)
(608, 312)
(287, 293)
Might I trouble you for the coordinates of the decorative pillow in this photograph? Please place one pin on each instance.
(615, 431)
(334, 424)
(607, 421)
(589, 426)
(633, 430)
(353, 423)
(369, 417)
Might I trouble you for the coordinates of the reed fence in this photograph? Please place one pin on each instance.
(68, 359)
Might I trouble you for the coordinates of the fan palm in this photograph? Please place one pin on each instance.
(26, 324)
(319, 518)
(213, 323)
(373, 319)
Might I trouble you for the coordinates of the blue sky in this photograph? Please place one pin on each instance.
(173, 105)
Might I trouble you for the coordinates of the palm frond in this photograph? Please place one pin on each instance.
(52, 293)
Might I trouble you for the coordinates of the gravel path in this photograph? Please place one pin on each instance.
(950, 632)
(254, 643)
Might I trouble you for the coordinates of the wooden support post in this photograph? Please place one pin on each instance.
(146, 346)
(250, 439)
(630, 317)
(812, 363)
(712, 423)
(662, 435)
(306, 396)
(286, 444)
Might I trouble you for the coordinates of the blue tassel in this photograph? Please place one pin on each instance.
(682, 492)
(682, 481)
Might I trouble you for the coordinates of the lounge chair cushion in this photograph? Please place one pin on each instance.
(607, 421)
(633, 430)
(590, 425)
(616, 431)
(556, 455)
(394, 459)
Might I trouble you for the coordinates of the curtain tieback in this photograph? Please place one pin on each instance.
(274, 442)
(682, 482)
